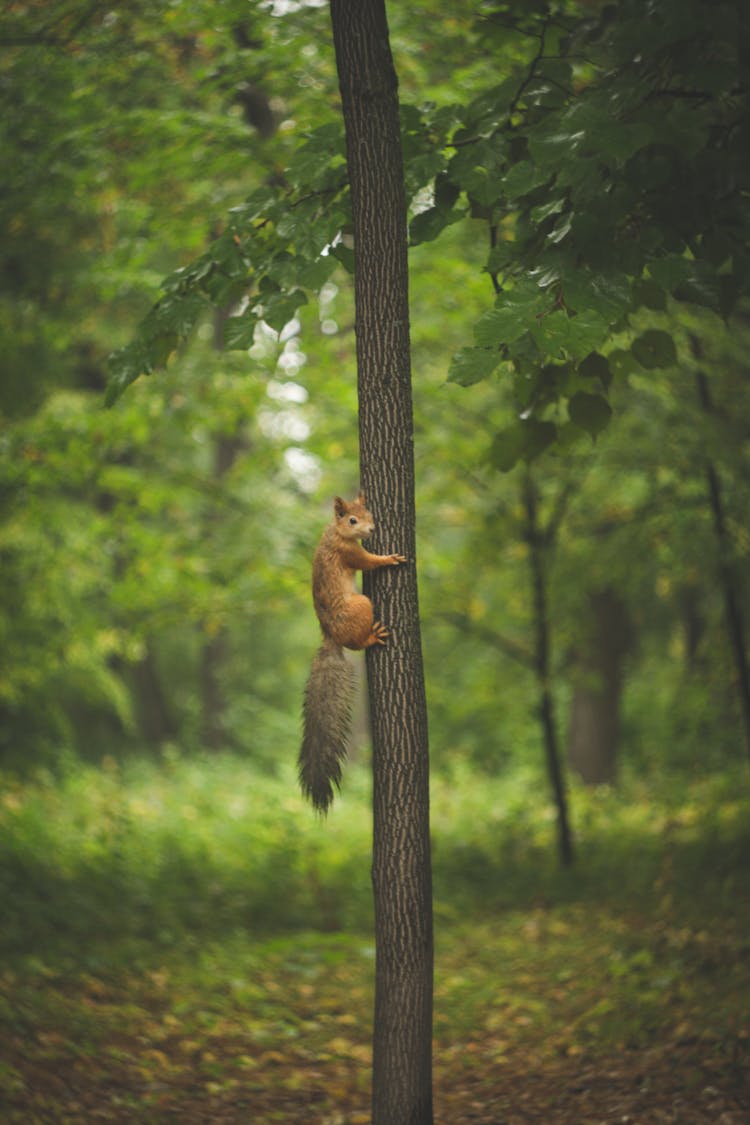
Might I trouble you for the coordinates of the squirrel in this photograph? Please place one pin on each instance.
(347, 621)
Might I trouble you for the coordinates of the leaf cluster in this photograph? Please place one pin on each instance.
(608, 169)
(611, 178)
(276, 246)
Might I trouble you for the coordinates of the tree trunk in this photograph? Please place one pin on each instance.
(535, 540)
(727, 576)
(693, 624)
(212, 659)
(154, 719)
(401, 872)
(213, 654)
(594, 729)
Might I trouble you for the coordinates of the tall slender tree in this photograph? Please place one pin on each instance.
(535, 539)
(727, 577)
(401, 872)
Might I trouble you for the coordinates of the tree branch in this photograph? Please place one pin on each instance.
(510, 648)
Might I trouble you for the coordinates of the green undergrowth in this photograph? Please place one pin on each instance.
(185, 940)
(145, 851)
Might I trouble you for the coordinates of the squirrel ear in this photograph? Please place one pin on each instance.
(362, 499)
(339, 506)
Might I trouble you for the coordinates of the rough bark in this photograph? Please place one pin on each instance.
(594, 729)
(401, 871)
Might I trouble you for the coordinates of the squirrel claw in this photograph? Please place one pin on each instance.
(379, 633)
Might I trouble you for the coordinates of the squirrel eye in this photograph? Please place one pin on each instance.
(352, 520)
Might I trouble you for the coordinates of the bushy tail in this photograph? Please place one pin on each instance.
(327, 711)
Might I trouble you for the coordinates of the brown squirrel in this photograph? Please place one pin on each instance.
(347, 621)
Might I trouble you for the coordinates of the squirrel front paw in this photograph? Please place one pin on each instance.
(379, 634)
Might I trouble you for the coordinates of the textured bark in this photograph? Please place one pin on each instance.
(594, 730)
(401, 873)
(536, 543)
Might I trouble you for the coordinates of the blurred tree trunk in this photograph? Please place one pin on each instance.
(155, 721)
(537, 542)
(212, 659)
(594, 729)
(693, 624)
(401, 871)
(214, 648)
(727, 570)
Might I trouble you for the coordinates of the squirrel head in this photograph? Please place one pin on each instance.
(353, 521)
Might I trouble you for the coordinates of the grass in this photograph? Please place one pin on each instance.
(184, 938)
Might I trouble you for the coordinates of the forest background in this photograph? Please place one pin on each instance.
(156, 625)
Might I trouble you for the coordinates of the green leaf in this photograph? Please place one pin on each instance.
(428, 224)
(303, 227)
(259, 205)
(512, 317)
(620, 141)
(596, 366)
(421, 170)
(557, 141)
(574, 335)
(478, 169)
(507, 448)
(160, 348)
(471, 365)
(544, 210)
(525, 440)
(561, 230)
(716, 247)
(344, 255)
(410, 117)
(446, 192)
(702, 287)
(649, 171)
(278, 309)
(313, 275)
(499, 256)
(490, 109)
(227, 254)
(607, 294)
(188, 276)
(125, 366)
(239, 331)
(174, 315)
(319, 162)
(654, 348)
(670, 271)
(622, 363)
(523, 178)
(648, 294)
(591, 412)
(550, 85)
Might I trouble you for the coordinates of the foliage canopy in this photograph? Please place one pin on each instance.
(609, 169)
